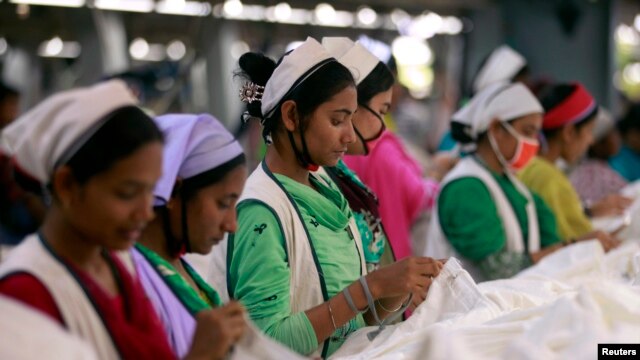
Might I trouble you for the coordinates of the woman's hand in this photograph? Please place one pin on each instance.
(607, 240)
(610, 205)
(216, 331)
(410, 275)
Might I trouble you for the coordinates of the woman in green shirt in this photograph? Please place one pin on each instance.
(295, 260)
(484, 213)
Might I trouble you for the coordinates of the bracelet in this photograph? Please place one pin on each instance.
(403, 304)
(333, 321)
(352, 305)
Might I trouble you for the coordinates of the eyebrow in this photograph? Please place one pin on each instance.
(346, 111)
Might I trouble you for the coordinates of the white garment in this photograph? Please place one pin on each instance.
(305, 289)
(26, 334)
(552, 311)
(254, 345)
(439, 247)
(78, 313)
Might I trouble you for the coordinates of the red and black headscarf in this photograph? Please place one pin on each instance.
(575, 108)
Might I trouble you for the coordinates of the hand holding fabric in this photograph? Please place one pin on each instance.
(216, 331)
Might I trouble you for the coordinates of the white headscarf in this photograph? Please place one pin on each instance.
(50, 133)
(353, 56)
(604, 124)
(501, 66)
(194, 144)
(294, 68)
(503, 102)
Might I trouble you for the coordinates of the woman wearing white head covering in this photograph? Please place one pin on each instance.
(484, 214)
(296, 257)
(99, 157)
(501, 66)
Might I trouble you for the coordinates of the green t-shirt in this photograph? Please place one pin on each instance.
(471, 222)
(258, 270)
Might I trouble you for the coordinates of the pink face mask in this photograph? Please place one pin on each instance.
(526, 149)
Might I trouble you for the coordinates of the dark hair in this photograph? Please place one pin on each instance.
(630, 120)
(380, 79)
(316, 89)
(124, 131)
(190, 186)
(553, 96)
(188, 189)
(7, 91)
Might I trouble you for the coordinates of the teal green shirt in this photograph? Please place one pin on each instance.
(258, 270)
(472, 224)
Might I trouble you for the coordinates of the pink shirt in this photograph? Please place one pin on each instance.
(396, 178)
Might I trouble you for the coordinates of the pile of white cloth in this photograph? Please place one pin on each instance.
(561, 308)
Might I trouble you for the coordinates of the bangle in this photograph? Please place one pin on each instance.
(352, 305)
(333, 321)
(403, 304)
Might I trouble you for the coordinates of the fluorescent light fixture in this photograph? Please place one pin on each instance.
(143, 6)
(139, 48)
(367, 16)
(233, 8)
(176, 50)
(56, 48)
(282, 12)
(411, 51)
(63, 3)
(181, 7)
(325, 13)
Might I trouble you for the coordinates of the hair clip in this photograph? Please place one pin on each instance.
(251, 92)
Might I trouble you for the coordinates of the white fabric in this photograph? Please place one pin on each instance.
(439, 247)
(78, 313)
(254, 345)
(216, 274)
(627, 224)
(354, 56)
(193, 144)
(501, 66)
(29, 335)
(305, 290)
(561, 308)
(291, 69)
(500, 101)
(53, 129)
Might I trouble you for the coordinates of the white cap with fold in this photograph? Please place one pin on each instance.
(501, 66)
(352, 55)
(56, 128)
(294, 68)
(501, 101)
